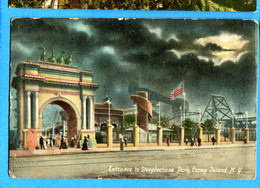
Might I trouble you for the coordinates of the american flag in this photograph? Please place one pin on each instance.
(177, 91)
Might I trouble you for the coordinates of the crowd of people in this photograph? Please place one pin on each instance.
(53, 141)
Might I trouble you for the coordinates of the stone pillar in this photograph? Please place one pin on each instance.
(84, 113)
(36, 110)
(91, 113)
(136, 137)
(233, 135)
(25, 139)
(217, 135)
(159, 135)
(247, 135)
(200, 132)
(181, 142)
(109, 135)
(28, 113)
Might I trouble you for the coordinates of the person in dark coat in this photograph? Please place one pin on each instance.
(72, 142)
(199, 141)
(213, 140)
(126, 141)
(192, 141)
(168, 141)
(85, 144)
(62, 142)
(41, 143)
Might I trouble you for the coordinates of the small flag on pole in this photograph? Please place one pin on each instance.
(177, 91)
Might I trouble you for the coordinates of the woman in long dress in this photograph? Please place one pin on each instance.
(85, 144)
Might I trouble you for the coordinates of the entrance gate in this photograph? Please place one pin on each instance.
(42, 83)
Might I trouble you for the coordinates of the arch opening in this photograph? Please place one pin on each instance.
(67, 119)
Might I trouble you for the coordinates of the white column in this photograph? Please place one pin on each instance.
(36, 110)
(28, 109)
(90, 117)
(84, 112)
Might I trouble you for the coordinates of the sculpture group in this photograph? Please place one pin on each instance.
(59, 59)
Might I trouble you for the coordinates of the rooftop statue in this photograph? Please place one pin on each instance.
(52, 57)
(60, 58)
(43, 54)
(68, 60)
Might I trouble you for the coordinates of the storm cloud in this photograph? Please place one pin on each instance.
(211, 56)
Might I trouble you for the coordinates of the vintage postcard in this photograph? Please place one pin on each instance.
(133, 98)
(189, 5)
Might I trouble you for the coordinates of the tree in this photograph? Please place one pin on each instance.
(129, 121)
(164, 122)
(190, 127)
(208, 125)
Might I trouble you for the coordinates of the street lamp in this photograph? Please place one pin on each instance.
(181, 114)
(159, 114)
(135, 114)
(109, 103)
(246, 119)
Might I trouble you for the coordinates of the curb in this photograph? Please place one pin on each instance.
(136, 150)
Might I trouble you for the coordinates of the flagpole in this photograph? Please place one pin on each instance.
(183, 102)
(181, 115)
(159, 115)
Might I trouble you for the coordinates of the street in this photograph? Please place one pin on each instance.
(189, 163)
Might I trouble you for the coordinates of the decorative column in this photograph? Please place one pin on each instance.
(233, 135)
(109, 136)
(84, 112)
(136, 137)
(247, 135)
(181, 142)
(36, 106)
(217, 134)
(159, 134)
(28, 115)
(91, 109)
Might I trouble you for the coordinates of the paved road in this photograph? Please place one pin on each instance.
(206, 163)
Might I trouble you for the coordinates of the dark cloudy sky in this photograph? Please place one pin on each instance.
(212, 56)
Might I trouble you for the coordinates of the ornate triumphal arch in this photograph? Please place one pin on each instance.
(42, 83)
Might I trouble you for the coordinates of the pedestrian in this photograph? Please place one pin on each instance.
(213, 140)
(199, 141)
(168, 141)
(192, 141)
(62, 142)
(72, 142)
(58, 141)
(54, 140)
(196, 142)
(125, 141)
(41, 143)
(85, 144)
(65, 143)
(47, 144)
(186, 141)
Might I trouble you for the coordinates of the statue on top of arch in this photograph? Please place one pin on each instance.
(52, 59)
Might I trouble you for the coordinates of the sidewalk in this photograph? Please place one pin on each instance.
(57, 151)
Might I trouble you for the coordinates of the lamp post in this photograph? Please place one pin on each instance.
(135, 114)
(109, 103)
(246, 119)
(159, 113)
(181, 114)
